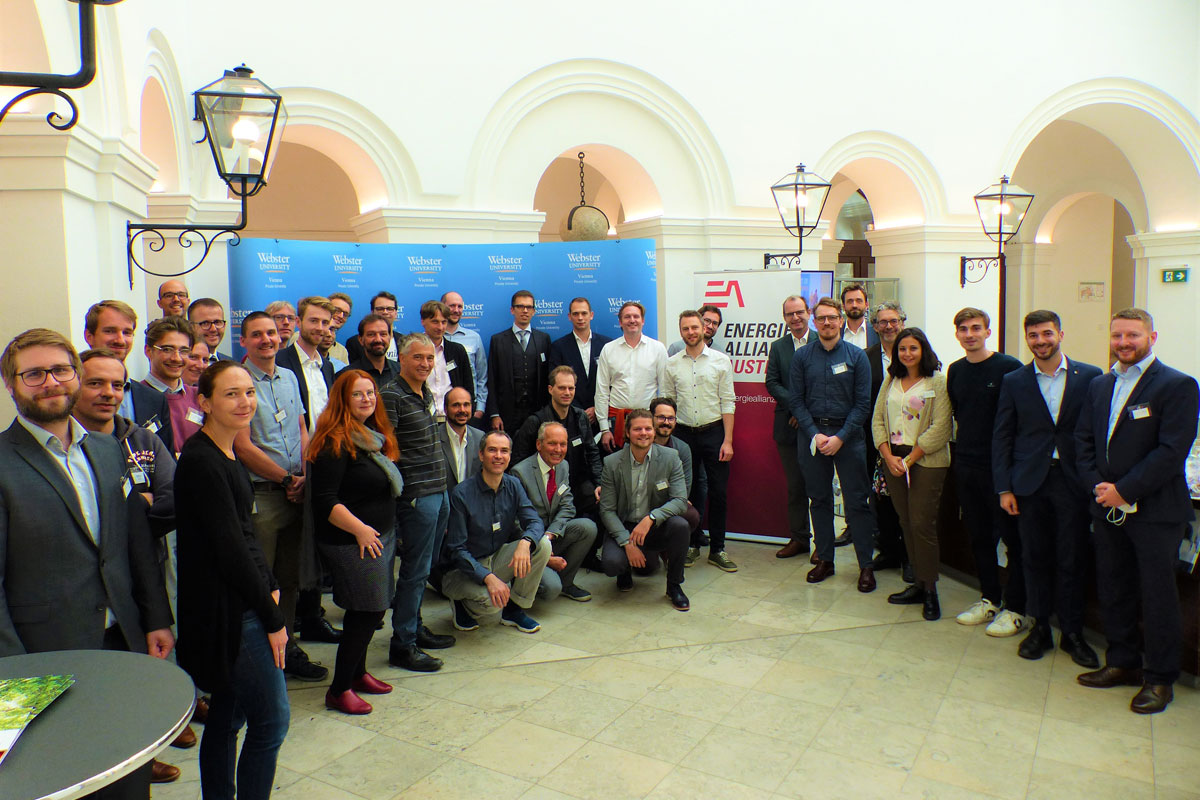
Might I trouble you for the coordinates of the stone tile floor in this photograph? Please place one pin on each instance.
(768, 688)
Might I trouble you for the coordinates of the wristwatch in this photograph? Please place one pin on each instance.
(286, 483)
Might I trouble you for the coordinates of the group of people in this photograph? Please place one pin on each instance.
(221, 495)
(1056, 459)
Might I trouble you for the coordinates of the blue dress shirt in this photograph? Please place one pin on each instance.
(482, 521)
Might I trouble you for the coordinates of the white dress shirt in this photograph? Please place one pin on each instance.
(585, 351)
(629, 377)
(318, 392)
(702, 386)
(860, 338)
(439, 378)
(458, 446)
(1127, 380)
(800, 342)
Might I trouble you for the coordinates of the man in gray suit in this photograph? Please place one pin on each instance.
(642, 497)
(77, 559)
(460, 440)
(546, 478)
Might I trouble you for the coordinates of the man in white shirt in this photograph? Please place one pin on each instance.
(472, 342)
(451, 364)
(313, 372)
(460, 441)
(701, 381)
(856, 331)
(631, 370)
(710, 315)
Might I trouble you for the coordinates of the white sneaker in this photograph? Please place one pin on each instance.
(981, 612)
(1006, 623)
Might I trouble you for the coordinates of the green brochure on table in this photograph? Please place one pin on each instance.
(22, 699)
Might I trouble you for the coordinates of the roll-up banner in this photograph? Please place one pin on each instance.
(751, 304)
(607, 273)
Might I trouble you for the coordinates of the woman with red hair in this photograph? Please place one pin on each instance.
(353, 484)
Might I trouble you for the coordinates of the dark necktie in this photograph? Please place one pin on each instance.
(551, 486)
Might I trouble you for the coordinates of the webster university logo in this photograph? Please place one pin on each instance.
(273, 262)
(347, 264)
(721, 293)
(583, 261)
(504, 264)
(422, 265)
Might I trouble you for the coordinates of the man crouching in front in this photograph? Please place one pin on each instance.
(495, 546)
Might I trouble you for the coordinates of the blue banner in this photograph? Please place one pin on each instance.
(486, 275)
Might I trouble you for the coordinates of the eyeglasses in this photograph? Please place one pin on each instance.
(35, 377)
(827, 319)
(795, 313)
(660, 418)
(169, 352)
(339, 314)
(890, 323)
(173, 296)
(523, 307)
(209, 324)
(284, 317)
(362, 395)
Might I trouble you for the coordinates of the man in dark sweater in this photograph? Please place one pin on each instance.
(973, 383)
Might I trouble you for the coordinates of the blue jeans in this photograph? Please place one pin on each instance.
(256, 698)
(420, 530)
(851, 466)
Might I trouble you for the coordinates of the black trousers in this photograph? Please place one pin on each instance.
(668, 538)
(799, 527)
(1135, 564)
(1056, 537)
(987, 525)
(710, 478)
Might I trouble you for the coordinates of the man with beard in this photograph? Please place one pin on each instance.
(664, 411)
(110, 324)
(313, 372)
(384, 305)
(472, 342)
(80, 569)
(374, 331)
(710, 320)
(451, 364)
(208, 318)
(172, 298)
(856, 331)
(887, 320)
(460, 440)
(422, 510)
(1135, 430)
(583, 457)
(1035, 473)
(779, 365)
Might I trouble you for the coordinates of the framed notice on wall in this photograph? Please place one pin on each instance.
(1093, 292)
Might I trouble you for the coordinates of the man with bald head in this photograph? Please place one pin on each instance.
(472, 342)
(173, 298)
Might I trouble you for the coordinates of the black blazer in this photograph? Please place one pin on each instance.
(1024, 436)
(56, 581)
(779, 367)
(502, 356)
(1146, 455)
(564, 352)
(150, 410)
(354, 348)
(875, 359)
(460, 373)
(583, 458)
(289, 358)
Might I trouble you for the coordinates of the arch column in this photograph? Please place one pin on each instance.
(926, 260)
(1175, 306)
(1027, 263)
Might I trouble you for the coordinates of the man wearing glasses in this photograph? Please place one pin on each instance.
(284, 314)
(519, 373)
(779, 367)
(208, 318)
(343, 305)
(168, 347)
(830, 397)
(710, 319)
(172, 298)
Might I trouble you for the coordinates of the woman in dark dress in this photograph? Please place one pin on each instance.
(353, 484)
(231, 631)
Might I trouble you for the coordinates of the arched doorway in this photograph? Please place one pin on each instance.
(614, 182)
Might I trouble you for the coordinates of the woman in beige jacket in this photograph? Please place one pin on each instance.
(911, 428)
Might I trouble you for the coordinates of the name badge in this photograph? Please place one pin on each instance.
(929, 394)
(839, 368)
(451, 365)
(152, 425)
(137, 476)
(561, 489)
(543, 355)
(195, 416)
(126, 486)
(495, 526)
(661, 486)
(1139, 412)
(576, 441)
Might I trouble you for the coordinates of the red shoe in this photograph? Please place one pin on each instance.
(347, 702)
(369, 684)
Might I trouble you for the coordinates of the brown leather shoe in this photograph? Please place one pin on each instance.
(866, 580)
(813, 558)
(185, 739)
(793, 548)
(161, 772)
(820, 572)
(200, 712)
(1152, 699)
(1107, 677)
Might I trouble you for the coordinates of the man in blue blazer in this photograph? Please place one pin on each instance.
(1034, 472)
(1135, 430)
(856, 330)
(570, 351)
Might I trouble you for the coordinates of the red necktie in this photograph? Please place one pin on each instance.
(551, 485)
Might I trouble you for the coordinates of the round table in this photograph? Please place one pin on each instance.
(123, 709)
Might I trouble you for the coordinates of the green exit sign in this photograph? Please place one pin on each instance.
(1174, 276)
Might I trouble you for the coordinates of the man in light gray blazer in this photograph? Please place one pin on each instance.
(643, 495)
(78, 568)
(546, 478)
(460, 441)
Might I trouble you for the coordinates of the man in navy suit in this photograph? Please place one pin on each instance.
(779, 368)
(518, 369)
(1034, 472)
(110, 325)
(579, 350)
(1135, 430)
(208, 317)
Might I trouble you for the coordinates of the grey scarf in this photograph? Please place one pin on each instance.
(372, 449)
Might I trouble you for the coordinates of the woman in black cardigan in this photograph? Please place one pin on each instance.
(231, 631)
(353, 485)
